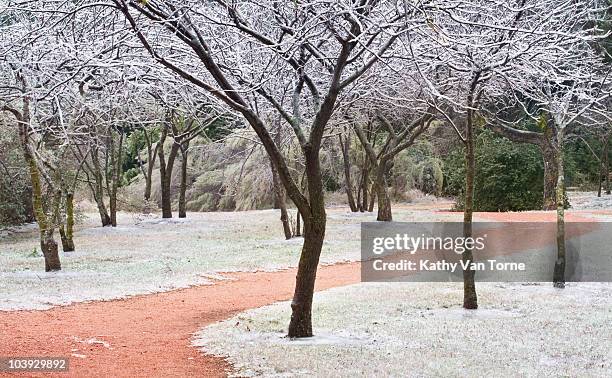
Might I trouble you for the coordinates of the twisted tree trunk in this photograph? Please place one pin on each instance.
(314, 234)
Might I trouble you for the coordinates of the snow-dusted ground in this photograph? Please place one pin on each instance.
(419, 329)
(146, 255)
(590, 201)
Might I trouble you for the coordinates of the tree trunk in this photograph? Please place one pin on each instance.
(104, 217)
(559, 272)
(151, 155)
(148, 184)
(344, 147)
(301, 306)
(359, 205)
(46, 226)
(551, 174)
(165, 172)
(373, 195)
(603, 171)
(183, 188)
(380, 187)
(364, 184)
(298, 224)
(607, 165)
(314, 233)
(97, 188)
(116, 163)
(68, 232)
(470, 299)
(281, 201)
(48, 246)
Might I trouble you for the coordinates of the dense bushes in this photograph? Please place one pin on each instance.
(236, 175)
(15, 191)
(509, 176)
(417, 168)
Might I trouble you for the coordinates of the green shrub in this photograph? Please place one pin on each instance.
(431, 177)
(417, 168)
(15, 188)
(509, 176)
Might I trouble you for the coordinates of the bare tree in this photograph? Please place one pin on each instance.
(344, 140)
(297, 44)
(400, 135)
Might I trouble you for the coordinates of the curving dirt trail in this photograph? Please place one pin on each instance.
(150, 335)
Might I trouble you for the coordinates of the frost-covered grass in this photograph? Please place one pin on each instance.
(590, 201)
(152, 254)
(419, 330)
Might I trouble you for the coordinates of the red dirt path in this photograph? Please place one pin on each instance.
(143, 343)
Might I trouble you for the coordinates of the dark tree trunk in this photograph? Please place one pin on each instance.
(116, 159)
(68, 232)
(551, 173)
(301, 306)
(48, 246)
(365, 172)
(112, 189)
(151, 155)
(165, 173)
(559, 272)
(384, 202)
(26, 199)
(298, 224)
(607, 165)
(373, 196)
(97, 188)
(470, 299)
(344, 147)
(281, 201)
(359, 205)
(183, 188)
(46, 226)
(148, 184)
(314, 234)
(603, 164)
(104, 217)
